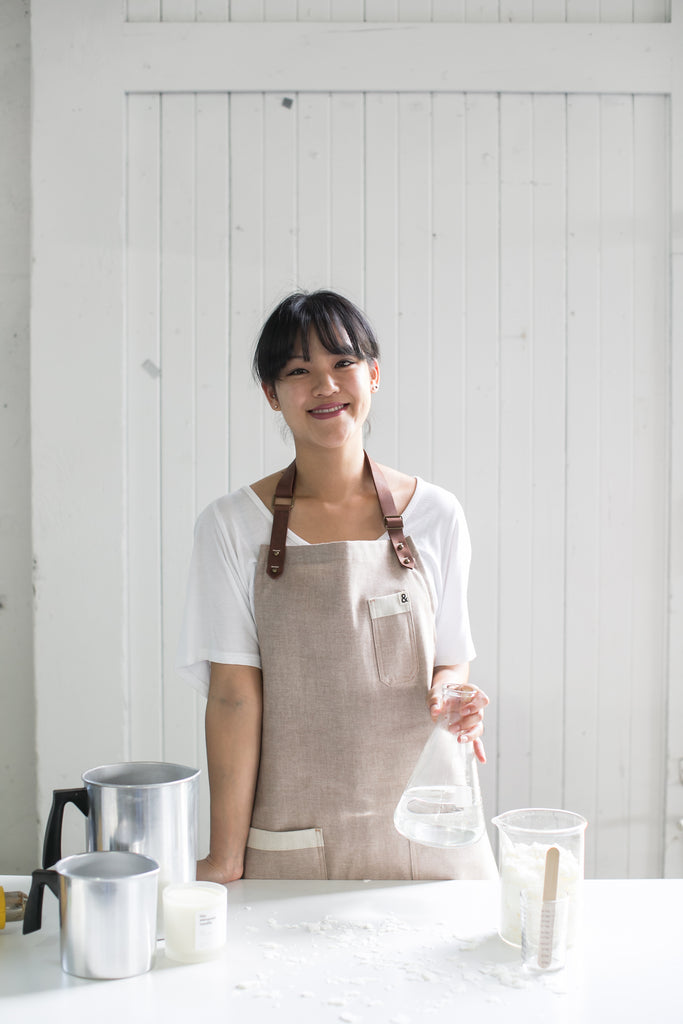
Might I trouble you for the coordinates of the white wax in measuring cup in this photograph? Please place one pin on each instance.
(523, 868)
(195, 921)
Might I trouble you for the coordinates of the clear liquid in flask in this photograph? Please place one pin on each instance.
(443, 816)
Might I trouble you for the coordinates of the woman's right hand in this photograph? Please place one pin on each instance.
(208, 871)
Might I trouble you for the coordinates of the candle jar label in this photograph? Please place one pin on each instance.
(208, 932)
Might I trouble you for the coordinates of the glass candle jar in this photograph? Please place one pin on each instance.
(195, 921)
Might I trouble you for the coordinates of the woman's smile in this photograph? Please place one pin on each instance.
(323, 412)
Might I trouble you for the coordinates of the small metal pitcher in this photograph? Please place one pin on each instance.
(107, 912)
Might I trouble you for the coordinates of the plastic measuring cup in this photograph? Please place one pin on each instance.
(525, 837)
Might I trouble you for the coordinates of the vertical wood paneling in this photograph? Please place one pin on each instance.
(583, 10)
(347, 195)
(381, 10)
(346, 10)
(381, 245)
(448, 10)
(280, 214)
(615, 510)
(212, 236)
(515, 10)
(280, 10)
(312, 113)
(178, 10)
(414, 393)
(178, 377)
(143, 10)
(516, 433)
(448, 293)
(313, 10)
(246, 283)
(212, 297)
(673, 864)
(548, 441)
(481, 10)
(213, 10)
(650, 527)
(414, 10)
(482, 401)
(582, 628)
(143, 388)
(246, 10)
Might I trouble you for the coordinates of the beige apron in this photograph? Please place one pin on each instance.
(346, 633)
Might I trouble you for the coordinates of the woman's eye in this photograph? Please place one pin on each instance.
(346, 362)
(297, 371)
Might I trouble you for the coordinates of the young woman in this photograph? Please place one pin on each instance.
(326, 606)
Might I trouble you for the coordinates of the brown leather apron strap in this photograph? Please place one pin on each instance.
(392, 520)
(283, 501)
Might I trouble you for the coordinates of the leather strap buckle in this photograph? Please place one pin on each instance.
(286, 504)
(282, 504)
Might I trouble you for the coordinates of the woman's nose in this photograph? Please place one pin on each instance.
(324, 383)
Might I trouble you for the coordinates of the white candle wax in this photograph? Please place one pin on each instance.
(195, 921)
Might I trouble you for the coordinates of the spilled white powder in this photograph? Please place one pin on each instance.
(506, 975)
(433, 956)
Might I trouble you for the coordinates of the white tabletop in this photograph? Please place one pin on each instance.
(371, 952)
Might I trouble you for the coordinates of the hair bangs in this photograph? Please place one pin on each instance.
(339, 325)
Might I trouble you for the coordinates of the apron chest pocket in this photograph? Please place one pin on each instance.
(393, 634)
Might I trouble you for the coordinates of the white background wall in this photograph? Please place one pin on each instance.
(548, 369)
(18, 804)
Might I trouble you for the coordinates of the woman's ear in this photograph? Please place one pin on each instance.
(271, 394)
(374, 374)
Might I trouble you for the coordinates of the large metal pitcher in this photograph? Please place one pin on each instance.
(146, 807)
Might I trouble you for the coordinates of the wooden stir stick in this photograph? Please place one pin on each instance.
(545, 937)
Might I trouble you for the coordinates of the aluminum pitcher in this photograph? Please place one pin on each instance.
(145, 807)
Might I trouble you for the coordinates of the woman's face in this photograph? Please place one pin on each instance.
(325, 399)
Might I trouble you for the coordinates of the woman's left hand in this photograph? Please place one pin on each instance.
(465, 719)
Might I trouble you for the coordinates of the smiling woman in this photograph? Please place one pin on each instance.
(322, 387)
(317, 707)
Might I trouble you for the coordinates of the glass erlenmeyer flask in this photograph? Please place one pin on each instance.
(441, 805)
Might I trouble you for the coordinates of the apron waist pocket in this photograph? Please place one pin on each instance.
(295, 854)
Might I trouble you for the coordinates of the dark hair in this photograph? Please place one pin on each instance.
(330, 315)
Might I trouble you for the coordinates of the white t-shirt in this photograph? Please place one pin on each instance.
(219, 623)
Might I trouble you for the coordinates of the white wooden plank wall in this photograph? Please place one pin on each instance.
(511, 251)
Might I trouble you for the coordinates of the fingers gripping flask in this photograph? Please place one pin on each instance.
(441, 805)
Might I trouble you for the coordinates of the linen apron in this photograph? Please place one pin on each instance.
(347, 639)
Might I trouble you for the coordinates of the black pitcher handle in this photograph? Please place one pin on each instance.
(52, 845)
(33, 911)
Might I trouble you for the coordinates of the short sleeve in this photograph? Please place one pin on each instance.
(454, 644)
(218, 622)
(436, 522)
